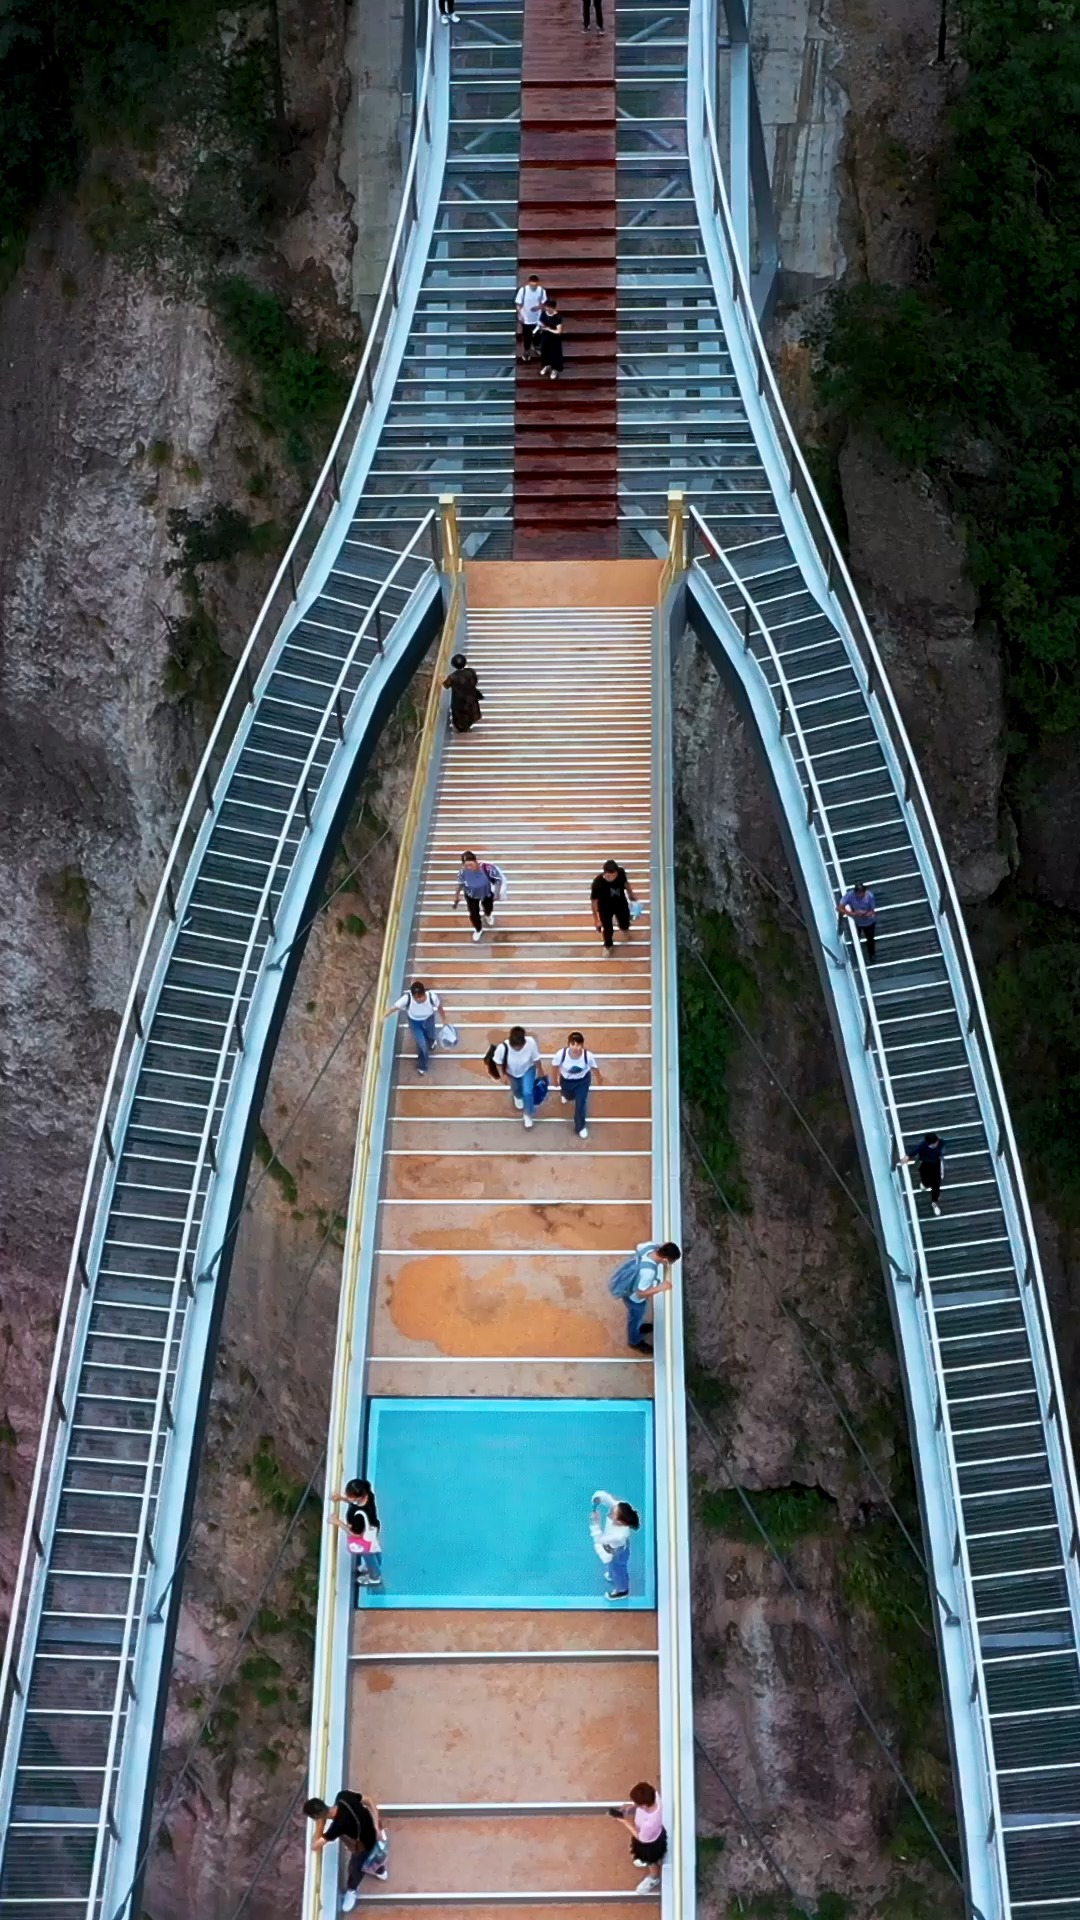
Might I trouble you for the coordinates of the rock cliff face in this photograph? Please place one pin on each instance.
(117, 404)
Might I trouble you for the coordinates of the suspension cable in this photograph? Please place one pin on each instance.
(776, 1081)
(829, 1651)
(797, 1899)
(159, 1817)
(819, 1372)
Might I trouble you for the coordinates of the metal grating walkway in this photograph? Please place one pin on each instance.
(450, 423)
(994, 1457)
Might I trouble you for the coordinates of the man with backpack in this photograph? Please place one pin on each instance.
(638, 1281)
(482, 883)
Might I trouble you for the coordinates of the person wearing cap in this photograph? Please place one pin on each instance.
(465, 694)
(858, 904)
(529, 303)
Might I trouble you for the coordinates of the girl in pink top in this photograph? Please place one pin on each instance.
(644, 1816)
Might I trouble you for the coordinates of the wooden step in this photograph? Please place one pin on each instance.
(565, 488)
(590, 104)
(554, 146)
(596, 248)
(565, 186)
(535, 222)
(562, 543)
(584, 514)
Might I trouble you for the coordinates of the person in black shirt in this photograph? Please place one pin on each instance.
(549, 340)
(358, 1823)
(611, 896)
(930, 1153)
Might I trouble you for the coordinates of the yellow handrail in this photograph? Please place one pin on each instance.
(336, 1466)
(675, 564)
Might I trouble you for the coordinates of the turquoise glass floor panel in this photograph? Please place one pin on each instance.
(485, 1503)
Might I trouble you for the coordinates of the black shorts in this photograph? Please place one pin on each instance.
(648, 1853)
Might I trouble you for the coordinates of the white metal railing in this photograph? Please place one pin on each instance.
(816, 811)
(19, 1654)
(253, 670)
(843, 605)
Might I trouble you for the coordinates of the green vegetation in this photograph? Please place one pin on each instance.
(1033, 1000)
(977, 375)
(8, 1435)
(787, 1514)
(707, 1037)
(352, 923)
(75, 76)
(70, 893)
(298, 388)
(280, 1174)
(198, 667)
(215, 538)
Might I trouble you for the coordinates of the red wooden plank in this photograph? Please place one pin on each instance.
(565, 431)
(566, 186)
(590, 104)
(567, 146)
(538, 222)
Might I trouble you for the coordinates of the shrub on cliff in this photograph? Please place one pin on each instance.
(987, 353)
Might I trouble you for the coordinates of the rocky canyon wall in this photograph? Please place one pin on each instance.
(119, 402)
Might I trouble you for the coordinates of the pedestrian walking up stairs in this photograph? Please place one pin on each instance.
(487, 1695)
(765, 587)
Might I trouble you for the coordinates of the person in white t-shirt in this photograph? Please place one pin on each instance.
(576, 1068)
(422, 1004)
(529, 302)
(518, 1059)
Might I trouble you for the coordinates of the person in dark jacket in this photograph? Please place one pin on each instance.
(465, 694)
(929, 1152)
(357, 1822)
(549, 339)
(610, 897)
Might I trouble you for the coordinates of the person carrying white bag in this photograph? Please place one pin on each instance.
(423, 1005)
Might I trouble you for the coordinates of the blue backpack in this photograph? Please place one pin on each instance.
(625, 1278)
(541, 1089)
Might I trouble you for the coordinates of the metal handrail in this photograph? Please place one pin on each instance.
(232, 1036)
(873, 1042)
(252, 670)
(346, 1345)
(854, 630)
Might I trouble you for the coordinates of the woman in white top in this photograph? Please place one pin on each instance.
(518, 1059)
(611, 1522)
(422, 1005)
(576, 1066)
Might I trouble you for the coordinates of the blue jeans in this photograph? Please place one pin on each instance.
(636, 1311)
(577, 1091)
(617, 1571)
(372, 1564)
(423, 1032)
(522, 1087)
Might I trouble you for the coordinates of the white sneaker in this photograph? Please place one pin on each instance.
(584, 1134)
(565, 1100)
(650, 1884)
(528, 1122)
(491, 918)
(519, 1104)
(479, 934)
(348, 1901)
(934, 1208)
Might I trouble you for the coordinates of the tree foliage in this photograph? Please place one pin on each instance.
(977, 376)
(74, 73)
